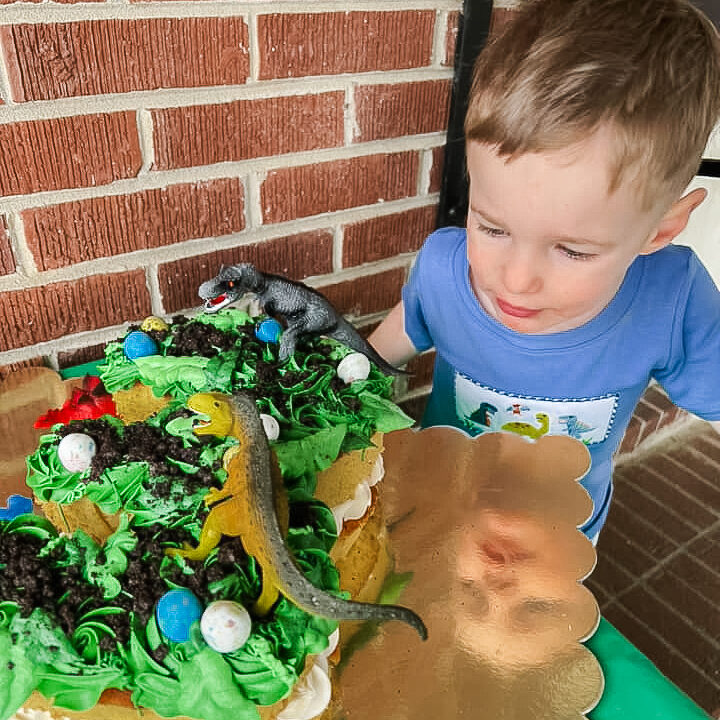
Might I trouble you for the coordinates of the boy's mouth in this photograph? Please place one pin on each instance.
(515, 310)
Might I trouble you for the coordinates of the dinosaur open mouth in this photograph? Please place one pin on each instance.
(216, 303)
(200, 420)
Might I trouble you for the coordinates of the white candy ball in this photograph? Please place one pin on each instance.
(225, 626)
(353, 367)
(271, 425)
(76, 451)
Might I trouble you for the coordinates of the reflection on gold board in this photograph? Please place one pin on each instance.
(24, 396)
(488, 527)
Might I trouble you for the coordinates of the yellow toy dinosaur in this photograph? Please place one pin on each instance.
(250, 504)
(228, 515)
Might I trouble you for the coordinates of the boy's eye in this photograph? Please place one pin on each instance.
(574, 254)
(491, 231)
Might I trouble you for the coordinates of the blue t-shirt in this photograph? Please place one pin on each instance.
(663, 323)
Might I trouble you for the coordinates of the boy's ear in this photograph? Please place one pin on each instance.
(674, 221)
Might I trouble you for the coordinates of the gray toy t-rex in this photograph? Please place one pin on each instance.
(304, 310)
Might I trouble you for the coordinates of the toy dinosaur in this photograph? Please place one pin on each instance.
(304, 310)
(247, 507)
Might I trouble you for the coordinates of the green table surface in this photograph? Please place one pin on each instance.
(634, 688)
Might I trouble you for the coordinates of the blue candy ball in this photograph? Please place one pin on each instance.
(176, 611)
(268, 331)
(139, 344)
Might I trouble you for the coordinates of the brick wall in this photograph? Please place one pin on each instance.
(144, 144)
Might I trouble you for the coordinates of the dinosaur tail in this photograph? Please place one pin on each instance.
(318, 602)
(278, 565)
(345, 333)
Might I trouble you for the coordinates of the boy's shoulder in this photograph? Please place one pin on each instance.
(678, 262)
(443, 241)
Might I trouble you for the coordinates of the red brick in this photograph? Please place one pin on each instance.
(666, 492)
(74, 232)
(7, 260)
(626, 553)
(295, 192)
(688, 476)
(70, 152)
(205, 134)
(697, 574)
(673, 628)
(695, 458)
(387, 236)
(709, 444)
(706, 549)
(50, 61)
(692, 602)
(436, 171)
(49, 312)
(388, 111)
(81, 356)
(654, 512)
(6, 370)
(631, 436)
(645, 538)
(296, 256)
(611, 576)
(453, 26)
(649, 416)
(656, 396)
(421, 368)
(368, 294)
(301, 44)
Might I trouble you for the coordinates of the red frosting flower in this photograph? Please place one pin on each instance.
(87, 403)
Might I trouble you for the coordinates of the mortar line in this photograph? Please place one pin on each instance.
(663, 562)
(253, 47)
(24, 259)
(198, 246)
(50, 12)
(147, 140)
(649, 496)
(662, 479)
(207, 95)
(671, 648)
(222, 170)
(440, 35)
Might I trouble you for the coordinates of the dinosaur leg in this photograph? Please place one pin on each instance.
(268, 596)
(209, 538)
(288, 339)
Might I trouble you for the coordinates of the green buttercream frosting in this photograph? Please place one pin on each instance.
(99, 635)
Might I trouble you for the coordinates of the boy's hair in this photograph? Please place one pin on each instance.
(647, 69)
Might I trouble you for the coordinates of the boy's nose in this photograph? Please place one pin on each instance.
(522, 272)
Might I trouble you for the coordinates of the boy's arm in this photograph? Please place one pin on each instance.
(390, 339)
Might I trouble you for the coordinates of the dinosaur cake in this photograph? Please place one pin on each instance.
(154, 511)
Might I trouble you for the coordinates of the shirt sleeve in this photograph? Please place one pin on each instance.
(692, 374)
(415, 325)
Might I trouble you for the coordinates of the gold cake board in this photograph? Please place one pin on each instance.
(488, 528)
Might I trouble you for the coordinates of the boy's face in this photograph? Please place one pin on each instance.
(548, 247)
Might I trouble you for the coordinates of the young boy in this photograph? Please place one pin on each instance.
(563, 297)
